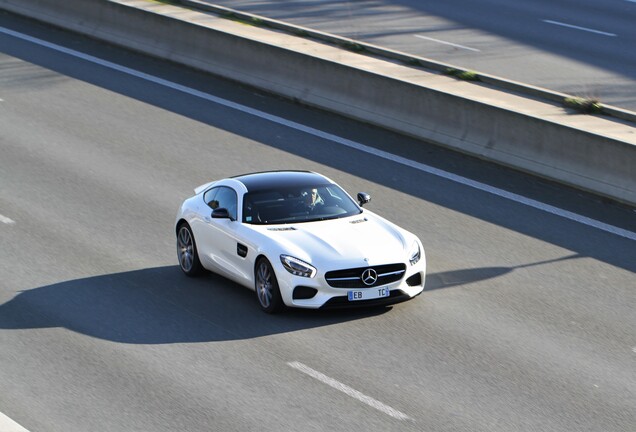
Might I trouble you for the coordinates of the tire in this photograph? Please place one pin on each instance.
(267, 291)
(187, 253)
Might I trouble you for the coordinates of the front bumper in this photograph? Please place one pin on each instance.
(342, 302)
(328, 297)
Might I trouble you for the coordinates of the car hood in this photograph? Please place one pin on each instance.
(365, 239)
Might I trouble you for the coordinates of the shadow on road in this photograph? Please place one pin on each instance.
(454, 278)
(162, 306)
(159, 306)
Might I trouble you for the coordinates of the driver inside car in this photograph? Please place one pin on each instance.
(312, 199)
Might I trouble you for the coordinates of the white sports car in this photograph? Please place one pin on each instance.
(298, 239)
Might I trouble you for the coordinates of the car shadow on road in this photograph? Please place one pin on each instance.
(160, 306)
(452, 278)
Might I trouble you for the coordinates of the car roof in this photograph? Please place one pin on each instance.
(268, 180)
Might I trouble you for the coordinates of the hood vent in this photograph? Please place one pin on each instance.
(282, 229)
(357, 221)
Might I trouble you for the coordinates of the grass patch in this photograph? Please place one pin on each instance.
(257, 21)
(252, 21)
(170, 2)
(352, 46)
(228, 15)
(583, 105)
(462, 74)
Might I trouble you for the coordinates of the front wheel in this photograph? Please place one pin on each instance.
(267, 290)
(187, 252)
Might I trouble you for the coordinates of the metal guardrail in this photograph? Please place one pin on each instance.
(405, 59)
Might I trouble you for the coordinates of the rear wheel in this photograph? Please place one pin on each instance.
(267, 290)
(187, 252)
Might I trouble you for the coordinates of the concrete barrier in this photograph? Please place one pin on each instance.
(594, 153)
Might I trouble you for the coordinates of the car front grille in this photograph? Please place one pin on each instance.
(352, 278)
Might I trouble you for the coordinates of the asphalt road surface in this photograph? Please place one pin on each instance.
(579, 47)
(527, 322)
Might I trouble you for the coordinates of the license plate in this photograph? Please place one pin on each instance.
(368, 293)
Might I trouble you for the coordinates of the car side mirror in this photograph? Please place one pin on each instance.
(363, 198)
(221, 213)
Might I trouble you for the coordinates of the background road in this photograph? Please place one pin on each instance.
(584, 48)
(527, 322)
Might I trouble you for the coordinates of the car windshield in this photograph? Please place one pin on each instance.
(292, 205)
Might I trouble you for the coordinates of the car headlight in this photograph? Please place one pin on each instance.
(415, 254)
(297, 267)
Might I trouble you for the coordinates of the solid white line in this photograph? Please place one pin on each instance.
(8, 425)
(336, 139)
(447, 43)
(349, 391)
(6, 220)
(579, 28)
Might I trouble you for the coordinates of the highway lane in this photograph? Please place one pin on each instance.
(583, 48)
(527, 322)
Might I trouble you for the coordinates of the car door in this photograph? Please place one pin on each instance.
(220, 234)
(201, 227)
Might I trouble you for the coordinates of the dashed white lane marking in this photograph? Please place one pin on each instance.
(447, 43)
(334, 138)
(349, 391)
(580, 28)
(6, 220)
(8, 425)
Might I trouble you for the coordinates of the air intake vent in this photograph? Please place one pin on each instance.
(357, 221)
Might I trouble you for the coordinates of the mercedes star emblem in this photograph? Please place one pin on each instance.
(369, 276)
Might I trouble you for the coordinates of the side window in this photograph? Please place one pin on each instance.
(209, 196)
(226, 198)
